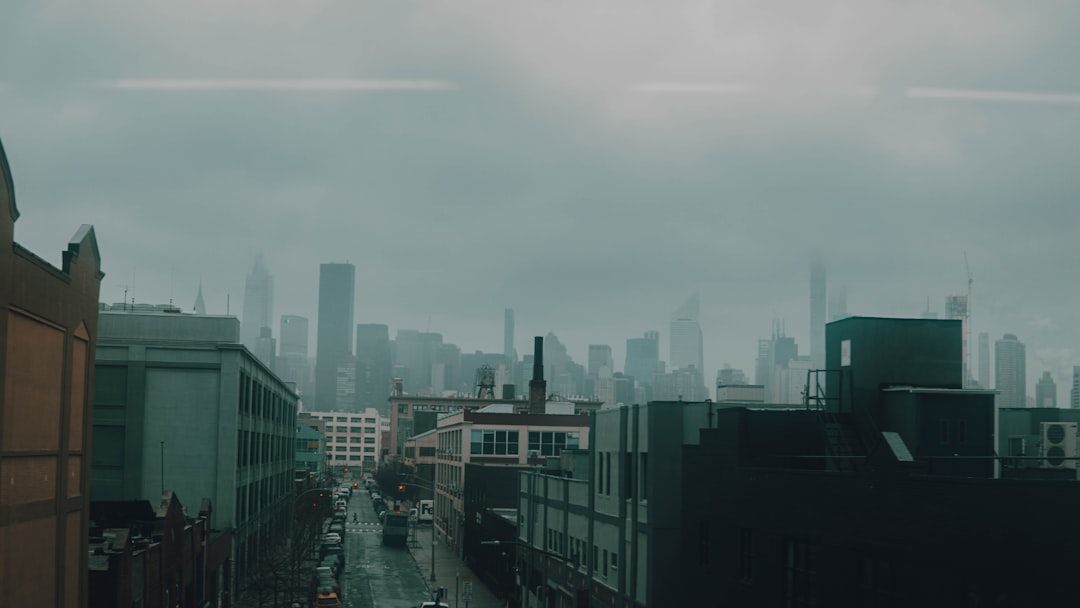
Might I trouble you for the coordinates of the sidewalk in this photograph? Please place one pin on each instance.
(450, 572)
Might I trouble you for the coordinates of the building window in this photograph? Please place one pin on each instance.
(595, 557)
(354, 449)
(370, 421)
(352, 439)
(340, 439)
(607, 473)
(370, 430)
(800, 574)
(961, 431)
(746, 556)
(339, 457)
(643, 489)
(355, 458)
(341, 429)
(605, 562)
(342, 419)
(403, 408)
(876, 583)
(355, 429)
(369, 440)
(495, 443)
(943, 430)
(551, 443)
(369, 450)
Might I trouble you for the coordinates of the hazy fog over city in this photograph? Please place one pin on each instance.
(588, 164)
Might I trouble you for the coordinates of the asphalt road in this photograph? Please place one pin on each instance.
(374, 575)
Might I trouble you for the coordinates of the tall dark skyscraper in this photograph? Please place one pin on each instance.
(373, 366)
(337, 288)
(508, 339)
(818, 303)
(258, 305)
(643, 357)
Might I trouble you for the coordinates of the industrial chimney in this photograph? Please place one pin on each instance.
(537, 386)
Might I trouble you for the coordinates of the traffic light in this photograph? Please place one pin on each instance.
(346, 469)
(401, 488)
(355, 484)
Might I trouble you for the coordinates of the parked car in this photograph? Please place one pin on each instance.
(326, 598)
(331, 537)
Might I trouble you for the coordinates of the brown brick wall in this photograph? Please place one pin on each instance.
(34, 372)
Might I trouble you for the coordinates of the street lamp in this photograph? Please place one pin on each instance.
(414, 482)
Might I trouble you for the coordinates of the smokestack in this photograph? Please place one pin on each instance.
(538, 358)
(537, 386)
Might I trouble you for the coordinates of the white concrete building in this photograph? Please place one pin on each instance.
(353, 439)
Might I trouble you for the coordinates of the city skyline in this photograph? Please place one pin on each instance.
(610, 183)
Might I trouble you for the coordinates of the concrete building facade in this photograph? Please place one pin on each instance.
(353, 439)
(496, 437)
(48, 333)
(181, 405)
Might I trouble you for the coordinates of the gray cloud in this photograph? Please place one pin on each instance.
(545, 178)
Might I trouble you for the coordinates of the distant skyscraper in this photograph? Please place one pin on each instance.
(200, 305)
(293, 364)
(337, 288)
(817, 314)
(685, 347)
(1046, 391)
(1010, 379)
(599, 357)
(762, 365)
(258, 304)
(508, 338)
(729, 376)
(838, 304)
(373, 366)
(293, 335)
(643, 357)
(956, 307)
(1074, 394)
(984, 359)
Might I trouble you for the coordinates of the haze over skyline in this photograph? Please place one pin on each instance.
(466, 160)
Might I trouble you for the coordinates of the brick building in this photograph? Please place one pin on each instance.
(48, 330)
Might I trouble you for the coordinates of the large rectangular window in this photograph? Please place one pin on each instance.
(492, 442)
(551, 443)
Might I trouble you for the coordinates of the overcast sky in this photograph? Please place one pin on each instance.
(590, 163)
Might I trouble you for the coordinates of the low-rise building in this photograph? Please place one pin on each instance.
(181, 404)
(496, 436)
(48, 333)
(142, 556)
(353, 439)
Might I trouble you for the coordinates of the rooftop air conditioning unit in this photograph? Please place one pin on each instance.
(534, 453)
(1058, 448)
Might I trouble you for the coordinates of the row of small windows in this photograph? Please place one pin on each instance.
(352, 429)
(577, 548)
(254, 497)
(257, 448)
(340, 439)
(354, 458)
(341, 448)
(262, 401)
(347, 419)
